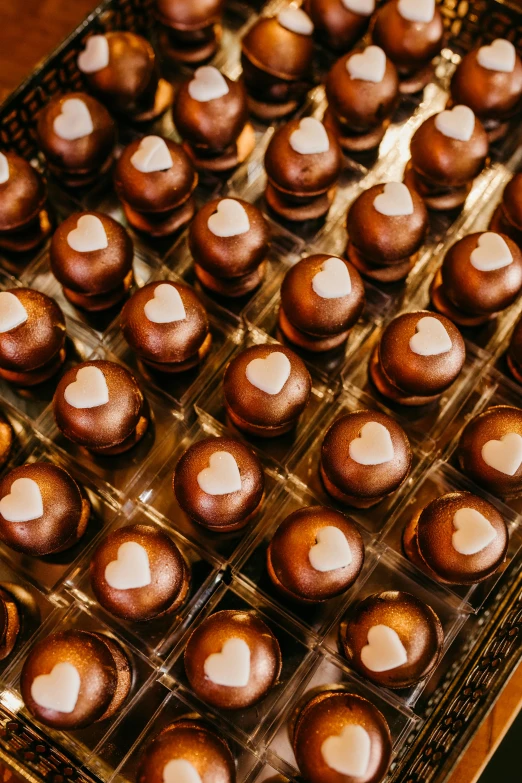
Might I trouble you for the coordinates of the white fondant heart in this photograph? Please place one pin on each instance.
(373, 446)
(491, 254)
(431, 338)
(394, 201)
(369, 66)
(166, 306)
(89, 235)
(501, 56)
(457, 123)
(12, 312)
(4, 169)
(310, 138)
(207, 85)
(229, 220)
(95, 56)
(296, 20)
(231, 666)
(152, 155)
(384, 650)
(333, 281)
(131, 569)
(362, 7)
(473, 532)
(24, 502)
(348, 753)
(74, 122)
(58, 690)
(89, 390)
(331, 551)
(504, 455)
(269, 375)
(222, 476)
(180, 771)
(417, 10)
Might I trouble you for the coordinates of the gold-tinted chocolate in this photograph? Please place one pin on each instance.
(280, 52)
(22, 196)
(410, 45)
(10, 623)
(36, 341)
(6, 440)
(185, 15)
(493, 95)
(335, 24)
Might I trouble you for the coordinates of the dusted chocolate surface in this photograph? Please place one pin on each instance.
(410, 45)
(38, 339)
(280, 52)
(335, 24)
(23, 195)
(493, 95)
(189, 14)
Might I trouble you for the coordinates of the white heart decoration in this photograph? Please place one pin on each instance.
(12, 312)
(348, 753)
(269, 375)
(362, 7)
(89, 235)
(180, 771)
(473, 532)
(331, 551)
(207, 85)
(369, 66)
(296, 20)
(384, 650)
(431, 338)
(95, 57)
(394, 201)
(373, 446)
(89, 390)
(131, 570)
(501, 56)
(491, 254)
(229, 220)
(417, 10)
(24, 502)
(504, 455)
(166, 306)
(58, 690)
(4, 169)
(222, 476)
(152, 155)
(310, 138)
(231, 666)
(75, 121)
(333, 281)
(457, 123)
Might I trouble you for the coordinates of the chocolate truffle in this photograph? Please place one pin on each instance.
(277, 57)
(219, 483)
(211, 116)
(339, 23)
(489, 81)
(42, 509)
(155, 180)
(266, 388)
(507, 218)
(72, 679)
(392, 638)
(6, 440)
(362, 89)
(10, 623)
(24, 219)
(322, 297)
(490, 450)
(121, 68)
(411, 34)
(458, 538)
(32, 337)
(232, 660)
(77, 136)
(448, 151)
(365, 457)
(100, 406)
(386, 225)
(191, 29)
(481, 275)
(303, 162)
(514, 352)
(189, 748)
(315, 554)
(341, 736)
(229, 240)
(167, 326)
(419, 356)
(138, 573)
(91, 256)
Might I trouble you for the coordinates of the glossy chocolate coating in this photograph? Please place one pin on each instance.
(192, 741)
(10, 623)
(274, 49)
(493, 95)
(410, 45)
(6, 440)
(512, 201)
(416, 625)
(335, 25)
(328, 715)
(209, 637)
(219, 512)
(105, 677)
(514, 352)
(23, 195)
(37, 340)
(189, 14)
